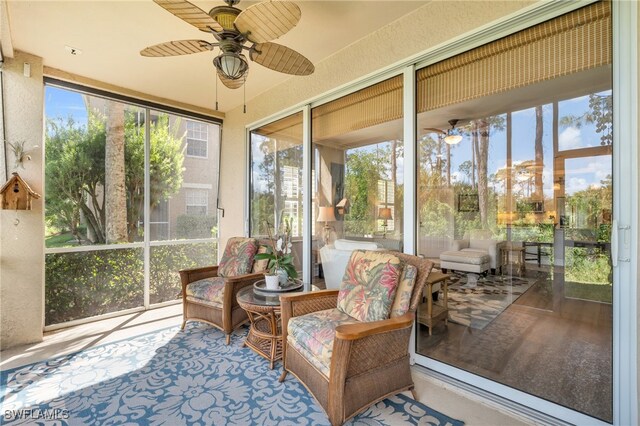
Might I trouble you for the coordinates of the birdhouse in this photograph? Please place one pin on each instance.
(16, 194)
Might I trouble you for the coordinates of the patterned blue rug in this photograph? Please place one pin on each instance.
(170, 377)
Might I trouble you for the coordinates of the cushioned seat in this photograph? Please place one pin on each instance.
(209, 291)
(313, 335)
(467, 260)
(472, 257)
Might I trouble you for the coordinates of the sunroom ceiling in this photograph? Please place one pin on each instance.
(111, 34)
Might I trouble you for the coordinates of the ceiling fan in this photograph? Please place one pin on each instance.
(235, 31)
(450, 136)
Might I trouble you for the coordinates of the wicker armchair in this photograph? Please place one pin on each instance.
(369, 360)
(209, 293)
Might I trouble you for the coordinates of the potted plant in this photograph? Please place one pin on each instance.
(280, 266)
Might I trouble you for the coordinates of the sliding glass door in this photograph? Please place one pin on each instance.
(515, 205)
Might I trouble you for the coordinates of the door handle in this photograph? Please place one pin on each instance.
(614, 243)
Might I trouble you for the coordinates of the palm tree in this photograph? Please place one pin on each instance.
(115, 189)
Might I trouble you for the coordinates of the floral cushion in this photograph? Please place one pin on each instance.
(260, 265)
(312, 335)
(209, 291)
(238, 257)
(369, 285)
(405, 289)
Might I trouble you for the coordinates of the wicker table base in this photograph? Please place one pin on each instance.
(265, 331)
(265, 334)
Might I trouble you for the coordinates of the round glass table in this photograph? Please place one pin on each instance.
(265, 332)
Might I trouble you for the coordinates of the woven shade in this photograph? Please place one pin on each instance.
(374, 105)
(571, 43)
(288, 129)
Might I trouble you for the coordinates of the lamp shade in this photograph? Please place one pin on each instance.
(326, 214)
(384, 213)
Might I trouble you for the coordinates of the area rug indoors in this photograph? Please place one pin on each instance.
(478, 304)
(175, 378)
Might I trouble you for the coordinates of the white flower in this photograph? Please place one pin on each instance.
(279, 244)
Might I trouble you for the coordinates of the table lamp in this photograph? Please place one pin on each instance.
(384, 213)
(326, 215)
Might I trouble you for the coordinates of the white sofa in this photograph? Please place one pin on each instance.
(467, 254)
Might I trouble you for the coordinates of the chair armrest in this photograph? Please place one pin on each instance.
(247, 277)
(188, 276)
(365, 329)
(354, 344)
(457, 245)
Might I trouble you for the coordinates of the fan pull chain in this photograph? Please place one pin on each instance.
(244, 94)
(216, 93)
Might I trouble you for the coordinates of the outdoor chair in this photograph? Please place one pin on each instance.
(350, 347)
(209, 293)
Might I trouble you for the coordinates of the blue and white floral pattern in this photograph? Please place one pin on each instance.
(174, 378)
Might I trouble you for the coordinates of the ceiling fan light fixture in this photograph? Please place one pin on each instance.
(231, 65)
(453, 138)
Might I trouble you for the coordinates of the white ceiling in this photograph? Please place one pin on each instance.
(111, 34)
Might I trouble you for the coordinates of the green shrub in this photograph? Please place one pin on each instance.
(85, 284)
(192, 226)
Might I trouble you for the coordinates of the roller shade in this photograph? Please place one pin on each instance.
(368, 107)
(574, 42)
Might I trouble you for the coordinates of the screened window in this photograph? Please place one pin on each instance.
(101, 224)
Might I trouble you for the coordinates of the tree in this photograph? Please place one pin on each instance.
(114, 182)
(600, 113)
(76, 172)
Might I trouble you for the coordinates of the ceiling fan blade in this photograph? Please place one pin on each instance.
(233, 84)
(280, 58)
(268, 20)
(190, 13)
(176, 48)
(434, 130)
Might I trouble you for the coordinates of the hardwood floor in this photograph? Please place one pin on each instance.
(544, 343)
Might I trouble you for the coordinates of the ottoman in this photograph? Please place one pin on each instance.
(466, 260)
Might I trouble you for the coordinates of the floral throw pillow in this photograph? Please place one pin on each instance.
(402, 300)
(369, 285)
(238, 257)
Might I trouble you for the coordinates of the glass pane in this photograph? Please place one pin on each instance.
(184, 178)
(168, 260)
(184, 173)
(358, 176)
(94, 170)
(89, 283)
(517, 214)
(276, 181)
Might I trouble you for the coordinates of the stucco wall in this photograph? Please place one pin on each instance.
(412, 34)
(21, 247)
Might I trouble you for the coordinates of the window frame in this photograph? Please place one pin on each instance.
(189, 139)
